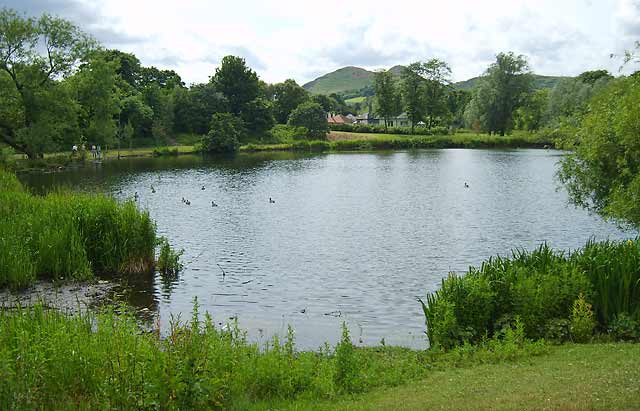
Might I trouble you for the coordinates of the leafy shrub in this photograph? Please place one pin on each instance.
(582, 322)
(225, 133)
(311, 116)
(624, 327)
(553, 295)
(346, 366)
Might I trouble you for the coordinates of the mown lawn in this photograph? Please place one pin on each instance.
(570, 377)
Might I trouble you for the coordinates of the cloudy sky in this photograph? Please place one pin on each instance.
(301, 39)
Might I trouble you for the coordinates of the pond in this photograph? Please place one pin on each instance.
(353, 237)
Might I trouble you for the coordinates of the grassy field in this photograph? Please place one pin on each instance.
(354, 100)
(570, 377)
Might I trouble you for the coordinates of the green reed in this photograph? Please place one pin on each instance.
(539, 288)
(69, 236)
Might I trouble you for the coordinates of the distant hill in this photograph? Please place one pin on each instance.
(342, 80)
(349, 80)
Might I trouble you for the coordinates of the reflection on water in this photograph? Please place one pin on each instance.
(350, 237)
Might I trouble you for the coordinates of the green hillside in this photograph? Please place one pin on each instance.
(350, 80)
(342, 80)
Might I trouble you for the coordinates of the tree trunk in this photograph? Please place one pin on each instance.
(21, 148)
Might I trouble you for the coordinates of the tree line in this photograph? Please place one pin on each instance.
(59, 87)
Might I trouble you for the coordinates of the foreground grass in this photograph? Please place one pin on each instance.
(570, 377)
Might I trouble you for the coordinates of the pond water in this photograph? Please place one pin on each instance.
(353, 237)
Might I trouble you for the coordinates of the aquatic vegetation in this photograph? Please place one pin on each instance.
(69, 236)
(168, 259)
(551, 293)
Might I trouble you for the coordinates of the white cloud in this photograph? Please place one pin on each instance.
(297, 39)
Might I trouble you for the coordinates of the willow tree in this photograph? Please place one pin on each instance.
(35, 54)
(501, 91)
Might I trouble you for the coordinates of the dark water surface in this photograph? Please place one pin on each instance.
(350, 237)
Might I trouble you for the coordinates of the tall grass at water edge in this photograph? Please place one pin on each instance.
(540, 288)
(69, 236)
(102, 361)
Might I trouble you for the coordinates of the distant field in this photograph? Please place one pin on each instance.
(355, 100)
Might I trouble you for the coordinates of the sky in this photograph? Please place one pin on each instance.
(300, 39)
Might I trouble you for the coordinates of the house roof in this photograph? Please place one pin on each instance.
(339, 119)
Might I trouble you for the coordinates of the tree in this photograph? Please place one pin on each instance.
(602, 173)
(590, 77)
(225, 133)
(388, 103)
(193, 108)
(98, 97)
(311, 116)
(568, 100)
(128, 66)
(328, 104)
(413, 93)
(457, 101)
(286, 97)
(530, 115)
(237, 82)
(34, 54)
(501, 91)
(437, 74)
(258, 117)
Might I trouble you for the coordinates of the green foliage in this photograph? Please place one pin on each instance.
(69, 236)
(413, 93)
(531, 115)
(311, 116)
(603, 172)
(499, 94)
(286, 97)
(36, 108)
(548, 292)
(346, 365)
(582, 322)
(388, 99)
(624, 327)
(237, 82)
(168, 259)
(225, 134)
(614, 270)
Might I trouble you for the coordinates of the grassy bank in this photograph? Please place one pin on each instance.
(336, 141)
(69, 236)
(570, 377)
(345, 141)
(103, 361)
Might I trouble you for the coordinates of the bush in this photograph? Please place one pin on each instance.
(311, 116)
(624, 327)
(582, 323)
(225, 133)
(551, 294)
